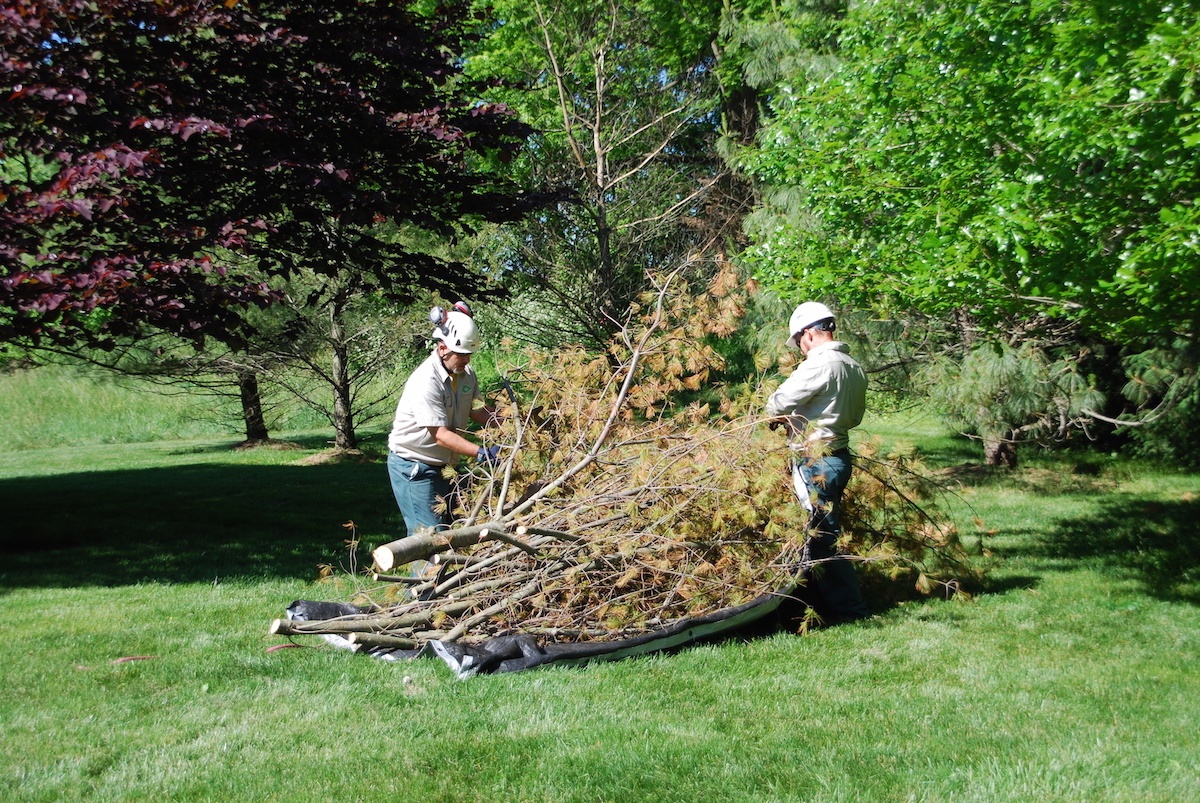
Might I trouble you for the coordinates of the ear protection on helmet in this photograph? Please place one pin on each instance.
(439, 316)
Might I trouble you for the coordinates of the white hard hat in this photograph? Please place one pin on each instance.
(806, 315)
(458, 331)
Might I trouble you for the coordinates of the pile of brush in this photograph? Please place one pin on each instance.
(616, 512)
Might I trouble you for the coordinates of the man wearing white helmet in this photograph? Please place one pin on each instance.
(437, 405)
(823, 399)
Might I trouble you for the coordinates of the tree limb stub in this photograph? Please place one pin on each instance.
(369, 640)
(374, 624)
(426, 543)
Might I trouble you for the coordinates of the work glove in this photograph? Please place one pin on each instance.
(489, 455)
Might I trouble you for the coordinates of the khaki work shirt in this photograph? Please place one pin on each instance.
(826, 396)
(432, 397)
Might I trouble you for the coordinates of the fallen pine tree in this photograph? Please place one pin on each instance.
(618, 521)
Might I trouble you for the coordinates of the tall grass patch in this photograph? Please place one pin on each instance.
(57, 405)
(70, 405)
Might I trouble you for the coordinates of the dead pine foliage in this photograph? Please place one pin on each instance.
(618, 509)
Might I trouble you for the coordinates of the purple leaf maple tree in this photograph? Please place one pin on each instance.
(162, 163)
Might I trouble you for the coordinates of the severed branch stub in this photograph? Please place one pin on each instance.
(425, 544)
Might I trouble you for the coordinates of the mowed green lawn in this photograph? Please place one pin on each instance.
(138, 582)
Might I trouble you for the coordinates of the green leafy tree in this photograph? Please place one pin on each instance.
(1005, 158)
(1000, 163)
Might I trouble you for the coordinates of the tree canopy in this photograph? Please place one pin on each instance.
(1008, 171)
(1011, 159)
(163, 161)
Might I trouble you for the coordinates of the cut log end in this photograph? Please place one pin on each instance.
(384, 558)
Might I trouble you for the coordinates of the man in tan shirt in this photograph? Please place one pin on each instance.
(823, 399)
(435, 409)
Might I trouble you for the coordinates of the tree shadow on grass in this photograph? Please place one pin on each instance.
(372, 444)
(1070, 478)
(1153, 541)
(185, 524)
(952, 451)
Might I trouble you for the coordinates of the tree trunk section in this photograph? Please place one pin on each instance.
(252, 408)
(425, 543)
(1000, 453)
(343, 416)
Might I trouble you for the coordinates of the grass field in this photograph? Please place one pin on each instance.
(1073, 677)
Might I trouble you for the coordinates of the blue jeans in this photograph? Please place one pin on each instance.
(838, 594)
(419, 489)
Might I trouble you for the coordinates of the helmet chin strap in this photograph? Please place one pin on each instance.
(442, 357)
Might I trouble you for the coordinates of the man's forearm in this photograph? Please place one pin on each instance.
(456, 443)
